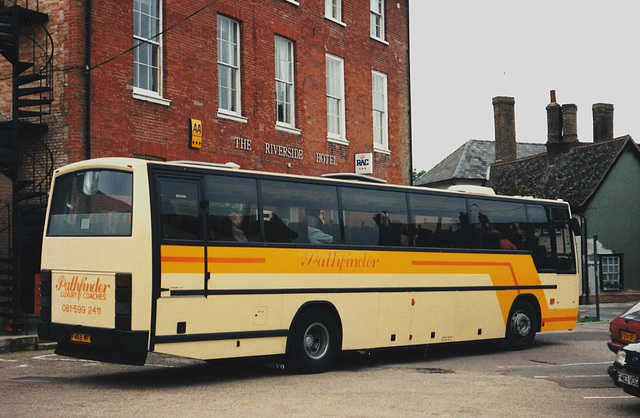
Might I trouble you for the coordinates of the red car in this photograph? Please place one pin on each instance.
(625, 329)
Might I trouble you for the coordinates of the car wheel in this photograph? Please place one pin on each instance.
(522, 325)
(313, 342)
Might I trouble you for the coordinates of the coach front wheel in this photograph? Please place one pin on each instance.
(522, 325)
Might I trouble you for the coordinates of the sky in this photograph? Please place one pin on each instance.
(465, 52)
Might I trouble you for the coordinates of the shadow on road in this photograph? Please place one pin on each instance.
(155, 377)
(159, 373)
(165, 371)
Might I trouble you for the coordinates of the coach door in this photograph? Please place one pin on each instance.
(182, 236)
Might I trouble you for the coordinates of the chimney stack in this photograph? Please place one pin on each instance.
(505, 128)
(602, 122)
(562, 127)
(569, 123)
(554, 121)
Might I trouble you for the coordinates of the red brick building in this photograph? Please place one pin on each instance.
(341, 85)
(290, 86)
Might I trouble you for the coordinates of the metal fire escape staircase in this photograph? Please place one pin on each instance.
(25, 159)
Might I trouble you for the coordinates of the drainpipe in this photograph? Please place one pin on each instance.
(585, 262)
(409, 96)
(596, 272)
(88, 79)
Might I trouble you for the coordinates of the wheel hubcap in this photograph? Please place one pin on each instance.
(521, 324)
(316, 340)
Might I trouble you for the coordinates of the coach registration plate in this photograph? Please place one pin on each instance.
(628, 379)
(81, 338)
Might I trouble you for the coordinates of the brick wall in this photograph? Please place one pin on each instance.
(124, 126)
(66, 137)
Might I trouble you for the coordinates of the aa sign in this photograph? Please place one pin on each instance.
(196, 133)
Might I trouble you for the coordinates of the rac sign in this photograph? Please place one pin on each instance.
(364, 163)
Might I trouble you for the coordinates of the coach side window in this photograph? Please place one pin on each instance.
(539, 237)
(497, 225)
(180, 209)
(375, 217)
(233, 209)
(438, 221)
(300, 212)
(565, 260)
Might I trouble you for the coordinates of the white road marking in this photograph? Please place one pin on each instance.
(609, 397)
(578, 376)
(55, 357)
(537, 366)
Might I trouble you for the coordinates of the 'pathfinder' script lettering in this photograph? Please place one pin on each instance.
(80, 288)
(339, 260)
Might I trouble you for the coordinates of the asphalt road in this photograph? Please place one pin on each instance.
(564, 374)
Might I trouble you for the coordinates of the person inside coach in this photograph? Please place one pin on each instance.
(315, 235)
(236, 223)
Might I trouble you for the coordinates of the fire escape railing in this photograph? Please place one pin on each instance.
(27, 160)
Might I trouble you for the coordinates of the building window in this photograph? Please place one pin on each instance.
(611, 269)
(379, 102)
(333, 10)
(285, 106)
(147, 52)
(377, 19)
(228, 67)
(335, 99)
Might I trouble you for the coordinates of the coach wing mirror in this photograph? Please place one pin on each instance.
(574, 224)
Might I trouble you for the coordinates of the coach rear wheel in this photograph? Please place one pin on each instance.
(522, 325)
(313, 342)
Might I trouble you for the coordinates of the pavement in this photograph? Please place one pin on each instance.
(28, 340)
(603, 312)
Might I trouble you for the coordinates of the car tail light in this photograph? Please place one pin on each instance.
(45, 296)
(614, 329)
(123, 301)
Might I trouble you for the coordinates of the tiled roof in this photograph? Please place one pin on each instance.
(471, 161)
(573, 176)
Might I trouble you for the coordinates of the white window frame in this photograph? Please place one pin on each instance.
(376, 9)
(380, 111)
(285, 79)
(333, 11)
(611, 271)
(232, 64)
(154, 39)
(336, 95)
